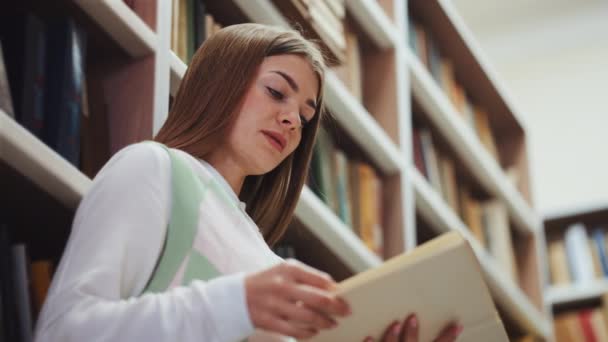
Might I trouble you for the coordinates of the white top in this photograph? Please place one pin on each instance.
(116, 239)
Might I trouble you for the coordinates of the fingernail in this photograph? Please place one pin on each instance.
(396, 329)
(413, 322)
(345, 306)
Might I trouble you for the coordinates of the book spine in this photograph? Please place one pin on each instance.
(21, 291)
(600, 243)
(33, 96)
(580, 260)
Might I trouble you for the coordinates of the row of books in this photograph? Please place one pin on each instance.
(488, 220)
(43, 66)
(191, 25)
(442, 69)
(579, 256)
(589, 324)
(351, 188)
(23, 289)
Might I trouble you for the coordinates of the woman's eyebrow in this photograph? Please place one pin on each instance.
(292, 83)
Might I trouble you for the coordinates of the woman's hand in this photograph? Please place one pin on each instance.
(407, 331)
(293, 299)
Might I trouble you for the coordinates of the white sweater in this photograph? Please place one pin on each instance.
(116, 239)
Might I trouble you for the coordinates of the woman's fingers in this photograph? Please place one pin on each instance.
(305, 274)
(317, 300)
(304, 315)
(393, 332)
(410, 329)
(449, 333)
(274, 323)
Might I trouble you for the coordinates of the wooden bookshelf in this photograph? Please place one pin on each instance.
(332, 232)
(507, 294)
(574, 293)
(378, 125)
(468, 147)
(123, 25)
(520, 301)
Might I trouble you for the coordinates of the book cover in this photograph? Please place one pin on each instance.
(64, 84)
(498, 235)
(21, 292)
(558, 263)
(6, 100)
(600, 244)
(584, 317)
(415, 282)
(580, 260)
(34, 93)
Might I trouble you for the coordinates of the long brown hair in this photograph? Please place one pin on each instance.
(204, 109)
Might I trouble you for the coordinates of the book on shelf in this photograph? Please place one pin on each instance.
(23, 287)
(578, 256)
(414, 282)
(351, 188)
(442, 71)
(471, 214)
(498, 235)
(25, 62)
(588, 324)
(580, 259)
(558, 263)
(419, 152)
(431, 159)
(64, 84)
(191, 25)
(6, 100)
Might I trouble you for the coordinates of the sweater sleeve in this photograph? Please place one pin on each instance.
(116, 239)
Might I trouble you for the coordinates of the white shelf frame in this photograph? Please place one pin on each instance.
(25, 153)
(507, 294)
(123, 25)
(333, 233)
(468, 147)
(573, 293)
(374, 21)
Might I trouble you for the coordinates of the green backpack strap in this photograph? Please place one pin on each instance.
(187, 194)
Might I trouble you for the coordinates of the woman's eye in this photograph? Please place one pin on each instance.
(276, 94)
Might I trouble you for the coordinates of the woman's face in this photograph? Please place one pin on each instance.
(274, 110)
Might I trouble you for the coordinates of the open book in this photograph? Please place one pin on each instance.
(440, 281)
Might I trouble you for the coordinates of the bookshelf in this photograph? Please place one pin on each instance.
(562, 292)
(378, 125)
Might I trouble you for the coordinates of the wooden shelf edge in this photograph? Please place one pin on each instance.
(572, 293)
(504, 290)
(338, 237)
(468, 147)
(44, 167)
(123, 25)
(360, 124)
(178, 69)
(374, 22)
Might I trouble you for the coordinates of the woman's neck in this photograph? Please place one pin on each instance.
(230, 171)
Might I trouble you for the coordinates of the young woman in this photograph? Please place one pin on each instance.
(171, 242)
